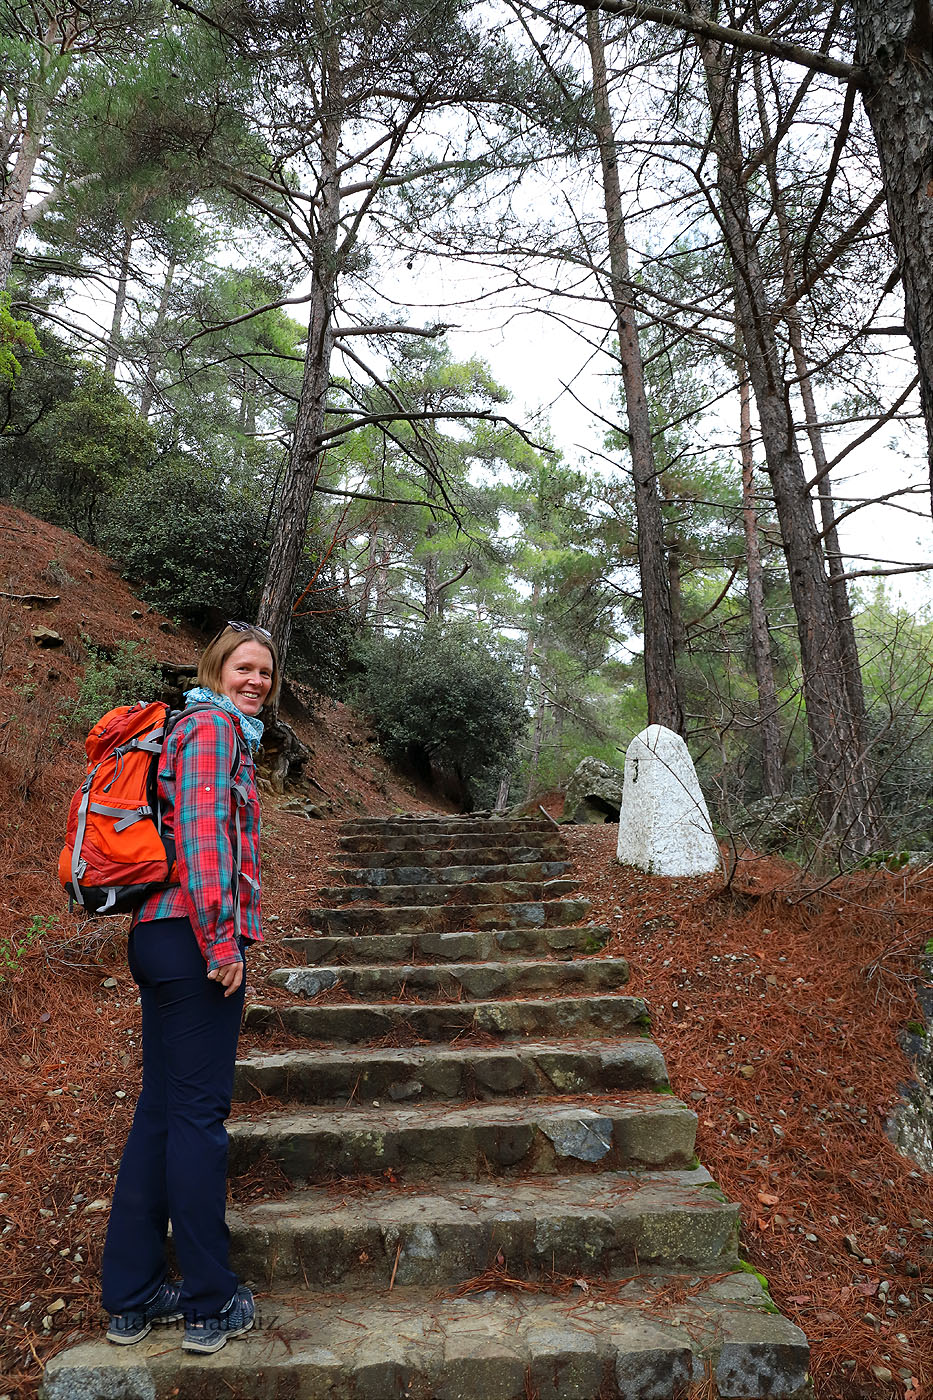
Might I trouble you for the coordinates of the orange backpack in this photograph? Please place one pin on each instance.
(116, 853)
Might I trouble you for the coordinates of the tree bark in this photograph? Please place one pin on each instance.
(152, 371)
(838, 591)
(843, 782)
(660, 674)
(119, 303)
(15, 192)
(306, 457)
(771, 767)
(895, 46)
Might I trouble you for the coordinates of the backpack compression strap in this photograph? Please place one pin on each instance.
(151, 743)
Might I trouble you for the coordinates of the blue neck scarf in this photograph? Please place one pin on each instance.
(252, 728)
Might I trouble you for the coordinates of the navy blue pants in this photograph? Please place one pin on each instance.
(174, 1165)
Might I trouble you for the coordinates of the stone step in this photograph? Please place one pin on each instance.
(411, 896)
(455, 981)
(452, 1072)
(453, 841)
(614, 1342)
(381, 876)
(448, 947)
(444, 826)
(610, 1224)
(600, 1016)
(457, 855)
(443, 918)
(474, 1140)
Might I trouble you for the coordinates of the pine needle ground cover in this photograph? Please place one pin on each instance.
(778, 1005)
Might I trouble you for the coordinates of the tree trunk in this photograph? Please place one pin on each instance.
(306, 458)
(838, 591)
(530, 641)
(772, 776)
(36, 104)
(895, 45)
(13, 197)
(536, 739)
(152, 371)
(842, 778)
(119, 303)
(660, 674)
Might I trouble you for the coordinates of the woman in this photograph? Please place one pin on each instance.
(186, 954)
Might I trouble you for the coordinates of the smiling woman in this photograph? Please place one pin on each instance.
(187, 955)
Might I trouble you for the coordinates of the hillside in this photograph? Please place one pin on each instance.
(777, 1002)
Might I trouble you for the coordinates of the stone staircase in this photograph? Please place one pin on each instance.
(490, 1191)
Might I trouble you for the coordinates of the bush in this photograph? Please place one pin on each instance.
(190, 538)
(117, 679)
(443, 701)
(72, 439)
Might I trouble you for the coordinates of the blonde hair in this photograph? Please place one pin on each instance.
(218, 652)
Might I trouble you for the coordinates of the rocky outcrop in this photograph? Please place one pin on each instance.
(594, 793)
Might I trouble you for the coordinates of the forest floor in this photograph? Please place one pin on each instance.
(777, 1002)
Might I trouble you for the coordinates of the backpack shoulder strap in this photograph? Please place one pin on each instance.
(238, 788)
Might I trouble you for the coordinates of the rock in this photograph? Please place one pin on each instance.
(594, 793)
(302, 807)
(775, 823)
(166, 626)
(581, 1133)
(57, 1305)
(664, 824)
(137, 612)
(404, 1089)
(883, 1374)
(45, 637)
(307, 981)
(109, 982)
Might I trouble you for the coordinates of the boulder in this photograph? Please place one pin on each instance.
(594, 793)
(46, 637)
(778, 823)
(664, 824)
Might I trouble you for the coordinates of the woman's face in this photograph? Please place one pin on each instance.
(246, 676)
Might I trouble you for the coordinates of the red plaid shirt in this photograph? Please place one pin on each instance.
(195, 774)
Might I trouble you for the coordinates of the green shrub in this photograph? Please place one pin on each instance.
(13, 950)
(117, 678)
(192, 539)
(442, 700)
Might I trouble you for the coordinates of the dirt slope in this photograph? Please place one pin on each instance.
(777, 1008)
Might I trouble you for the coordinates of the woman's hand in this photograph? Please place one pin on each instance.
(229, 977)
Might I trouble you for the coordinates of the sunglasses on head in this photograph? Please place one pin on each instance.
(248, 627)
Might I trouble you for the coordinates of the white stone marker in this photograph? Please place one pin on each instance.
(664, 824)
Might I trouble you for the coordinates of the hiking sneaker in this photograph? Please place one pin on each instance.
(232, 1321)
(129, 1327)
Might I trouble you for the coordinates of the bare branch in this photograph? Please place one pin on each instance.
(429, 332)
(736, 38)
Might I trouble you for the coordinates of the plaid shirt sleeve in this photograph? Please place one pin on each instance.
(205, 749)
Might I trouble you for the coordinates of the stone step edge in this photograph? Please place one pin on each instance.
(488, 874)
(598, 931)
(447, 1022)
(608, 1344)
(501, 1139)
(508, 1068)
(532, 854)
(498, 916)
(614, 1223)
(519, 891)
(426, 977)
